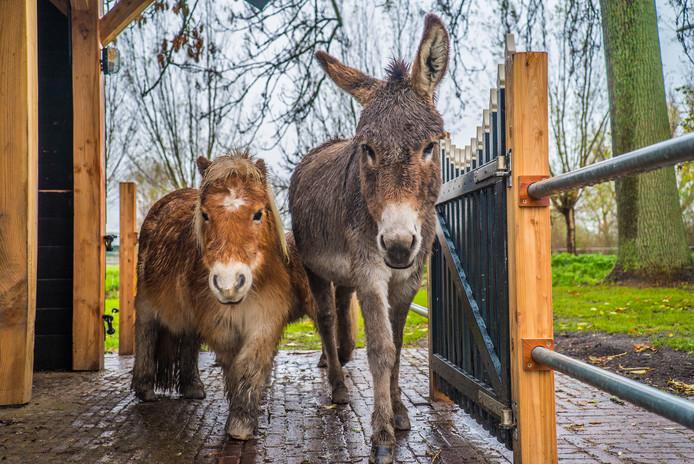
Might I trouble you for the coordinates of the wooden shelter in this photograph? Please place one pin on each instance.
(52, 173)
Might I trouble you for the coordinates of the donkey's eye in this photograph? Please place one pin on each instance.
(205, 217)
(426, 154)
(258, 215)
(369, 152)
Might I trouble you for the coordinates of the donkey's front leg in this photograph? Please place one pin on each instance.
(189, 384)
(400, 297)
(244, 376)
(325, 321)
(381, 354)
(144, 370)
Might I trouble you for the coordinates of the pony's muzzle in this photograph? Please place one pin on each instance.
(230, 283)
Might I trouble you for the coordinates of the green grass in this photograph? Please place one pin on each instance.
(111, 343)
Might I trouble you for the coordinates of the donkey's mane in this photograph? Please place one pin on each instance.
(398, 71)
(239, 163)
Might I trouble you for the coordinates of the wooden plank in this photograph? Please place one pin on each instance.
(118, 18)
(530, 278)
(61, 5)
(127, 258)
(89, 190)
(18, 197)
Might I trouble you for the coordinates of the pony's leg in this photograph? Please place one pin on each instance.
(380, 350)
(400, 297)
(325, 320)
(146, 333)
(345, 340)
(244, 376)
(189, 384)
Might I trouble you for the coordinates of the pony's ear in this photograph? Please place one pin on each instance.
(260, 164)
(432, 57)
(352, 81)
(203, 163)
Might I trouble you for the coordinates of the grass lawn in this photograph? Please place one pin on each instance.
(581, 303)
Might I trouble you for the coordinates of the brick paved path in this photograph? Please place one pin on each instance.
(93, 418)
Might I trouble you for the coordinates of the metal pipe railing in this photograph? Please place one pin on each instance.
(419, 309)
(644, 159)
(667, 405)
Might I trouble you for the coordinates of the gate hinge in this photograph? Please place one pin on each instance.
(495, 168)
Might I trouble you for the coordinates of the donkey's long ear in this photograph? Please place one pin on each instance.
(432, 57)
(352, 81)
(203, 163)
(260, 164)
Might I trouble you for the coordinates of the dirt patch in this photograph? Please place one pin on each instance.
(632, 357)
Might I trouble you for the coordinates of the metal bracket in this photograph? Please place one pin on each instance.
(496, 167)
(524, 200)
(528, 345)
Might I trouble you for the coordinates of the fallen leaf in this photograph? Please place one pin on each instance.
(330, 406)
(639, 347)
(636, 370)
(681, 387)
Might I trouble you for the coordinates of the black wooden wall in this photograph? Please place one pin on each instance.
(53, 336)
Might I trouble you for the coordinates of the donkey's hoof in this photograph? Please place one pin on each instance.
(146, 395)
(402, 422)
(340, 394)
(240, 430)
(322, 362)
(381, 454)
(193, 392)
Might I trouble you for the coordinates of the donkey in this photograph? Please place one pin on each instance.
(363, 217)
(214, 267)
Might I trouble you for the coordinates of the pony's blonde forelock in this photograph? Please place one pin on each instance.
(239, 163)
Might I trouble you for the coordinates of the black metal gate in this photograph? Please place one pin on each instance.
(468, 314)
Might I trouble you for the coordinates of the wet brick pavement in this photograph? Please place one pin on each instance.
(94, 418)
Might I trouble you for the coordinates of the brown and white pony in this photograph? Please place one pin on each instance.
(364, 220)
(214, 267)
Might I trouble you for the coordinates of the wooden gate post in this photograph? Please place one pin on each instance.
(127, 259)
(18, 197)
(529, 259)
(89, 187)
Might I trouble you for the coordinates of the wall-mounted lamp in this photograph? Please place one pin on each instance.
(110, 60)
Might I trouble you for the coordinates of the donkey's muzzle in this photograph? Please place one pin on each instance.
(399, 251)
(230, 283)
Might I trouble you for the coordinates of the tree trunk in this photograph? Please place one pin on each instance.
(651, 239)
(570, 230)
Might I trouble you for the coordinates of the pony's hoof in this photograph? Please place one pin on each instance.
(146, 395)
(193, 392)
(239, 430)
(340, 394)
(402, 422)
(381, 454)
(322, 362)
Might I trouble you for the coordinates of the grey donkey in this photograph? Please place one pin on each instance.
(364, 219)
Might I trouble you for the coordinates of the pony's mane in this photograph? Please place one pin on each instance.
(242, 164)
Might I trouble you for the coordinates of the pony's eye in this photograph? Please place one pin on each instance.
(205, 217)
(258, 215)
(426, 154)
(369, 153)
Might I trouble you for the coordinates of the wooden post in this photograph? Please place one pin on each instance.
(529, 265)
(89, 187)
(127, 258)
(18, 197)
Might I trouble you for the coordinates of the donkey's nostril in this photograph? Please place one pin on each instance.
(215, 282)
(383, 242)
(242, 280)
(414, 242)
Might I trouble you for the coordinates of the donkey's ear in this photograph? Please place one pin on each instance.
(352, 81)
(260, 164)
(432, 57)
(203, 163)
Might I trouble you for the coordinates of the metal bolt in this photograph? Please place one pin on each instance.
(525, 201)
(549, 344)
(530, 364)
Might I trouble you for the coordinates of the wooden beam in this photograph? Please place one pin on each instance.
(81, 5)
(529, 266)
(61, 5)
(118, 18)
(89, 190)
(127, 258)
(18, 197)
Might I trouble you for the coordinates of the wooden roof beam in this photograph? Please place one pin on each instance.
(118, 18)
(61, 5)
